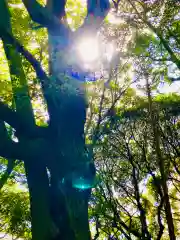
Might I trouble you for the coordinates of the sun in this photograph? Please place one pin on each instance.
(88, 50)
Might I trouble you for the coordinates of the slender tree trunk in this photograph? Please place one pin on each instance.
(145, 233)
(167, 205)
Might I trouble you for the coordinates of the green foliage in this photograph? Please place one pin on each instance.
(15, 213)
(143, 41)
(118, 121)
(76, 12)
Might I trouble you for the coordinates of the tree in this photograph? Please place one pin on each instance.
(58, 210)
(130, 199)
(134, 138)
(155, 26)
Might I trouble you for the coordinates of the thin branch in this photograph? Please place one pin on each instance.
(109, 113)
(157, 59)
(96, 131)
(144, 227)
(118, 218)
(97, 229)
(174, 79)
(159, 34)
(161, 226)
(29, 57)
(176, 37)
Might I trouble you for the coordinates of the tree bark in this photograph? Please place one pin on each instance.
(36, 173)
(58, 211)
(38, 184)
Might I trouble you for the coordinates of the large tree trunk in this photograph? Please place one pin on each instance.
(58, 210)
(70, 119)
(38, 184)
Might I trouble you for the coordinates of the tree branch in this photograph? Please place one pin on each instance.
(118, 217)
(161, 226)
(97, 229)
(8, 148)
(174, 58)
(9, 116)
(116, 4)
(46, 83)
(96, 13)
(20, 125)
(174, 79)
(57, 7)
(24, 150)
(44, 17)
(5, 176)
(11, 150)
(98, 8)
(37, 12)
(29, 57)
(44, 79)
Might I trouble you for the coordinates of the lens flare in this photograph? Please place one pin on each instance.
(81, 183)
(88, 50)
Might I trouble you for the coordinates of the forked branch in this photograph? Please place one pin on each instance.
(20, 125)
(44, 16)
(97, 10)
